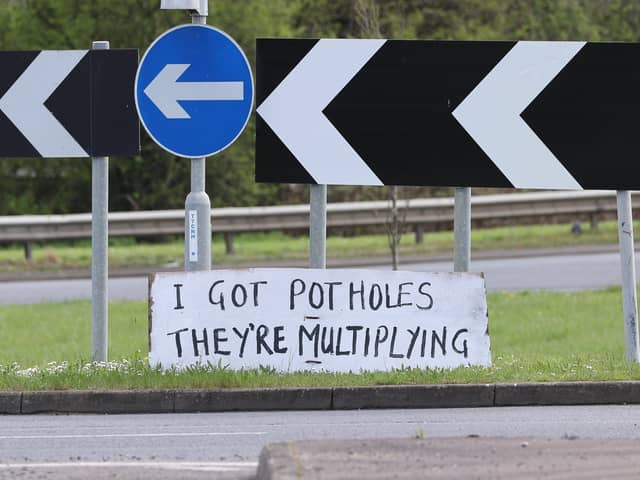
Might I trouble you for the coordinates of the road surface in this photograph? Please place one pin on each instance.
(553, 272)
(228, 444)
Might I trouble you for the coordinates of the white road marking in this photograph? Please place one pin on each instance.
(199, 466)
(128, 435)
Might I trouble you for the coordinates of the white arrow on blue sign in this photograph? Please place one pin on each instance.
(194, 91)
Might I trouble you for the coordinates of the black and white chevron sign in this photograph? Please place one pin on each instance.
(71, 103)
(557, 115)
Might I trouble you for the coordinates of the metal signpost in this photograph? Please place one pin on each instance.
(194, 95)
(100, 250)
(534, 115)
(69, 103)
(74, 103)
(628, 263)
(318, 226)
(462, 229)
(490, 114)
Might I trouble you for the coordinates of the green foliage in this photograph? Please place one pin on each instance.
(155, 179)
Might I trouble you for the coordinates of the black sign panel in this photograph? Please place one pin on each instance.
(557, 115)
(73, 103)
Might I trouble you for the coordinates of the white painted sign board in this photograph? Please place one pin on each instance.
(318, 319)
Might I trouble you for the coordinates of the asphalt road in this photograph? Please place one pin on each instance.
(553, 272)
(228, 444)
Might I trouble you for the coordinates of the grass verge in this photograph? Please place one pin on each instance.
(535, 336)
(275, 246)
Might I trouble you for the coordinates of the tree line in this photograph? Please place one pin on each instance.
(157, 180)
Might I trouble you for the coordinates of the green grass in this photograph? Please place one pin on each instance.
(535, 336)
(251, 248)
(40, 333)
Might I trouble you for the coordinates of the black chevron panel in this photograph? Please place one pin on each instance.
(75, 91)
(485, 114)
(90, 98)
(588, 116)
(115, 128)
(269, 147)
(282, 58)
(274, 61)
(12, 142)
(396, 113)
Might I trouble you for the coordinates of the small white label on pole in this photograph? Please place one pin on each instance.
(193, 235)
(318, 319)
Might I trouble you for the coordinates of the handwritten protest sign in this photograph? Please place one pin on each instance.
(306, 319)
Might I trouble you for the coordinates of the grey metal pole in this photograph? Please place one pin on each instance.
(99, 250)
(197, 223)
(462, 229)
(197, 19)
(318, 226)
(627, 257)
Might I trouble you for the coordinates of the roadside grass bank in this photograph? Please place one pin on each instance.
(535, 336)
(277, 246)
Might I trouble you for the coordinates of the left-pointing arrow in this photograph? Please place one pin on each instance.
(24, 102)
(492, 114)
(294, 110)
(165, 91)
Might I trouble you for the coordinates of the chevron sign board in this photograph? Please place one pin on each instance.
(73, 103)
(549, 115)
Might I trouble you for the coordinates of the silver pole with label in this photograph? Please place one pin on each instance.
(197, 233)
(627, 258)
(318, 226)
(99, 250)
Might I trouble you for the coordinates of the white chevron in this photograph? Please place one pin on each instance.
(491, 114)
(23, 103)
(294, 111)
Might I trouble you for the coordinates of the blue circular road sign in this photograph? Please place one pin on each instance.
(194, 91)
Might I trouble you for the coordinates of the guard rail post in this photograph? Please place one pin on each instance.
(228, 243)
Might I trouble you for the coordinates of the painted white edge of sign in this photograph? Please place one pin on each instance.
(321, 320)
